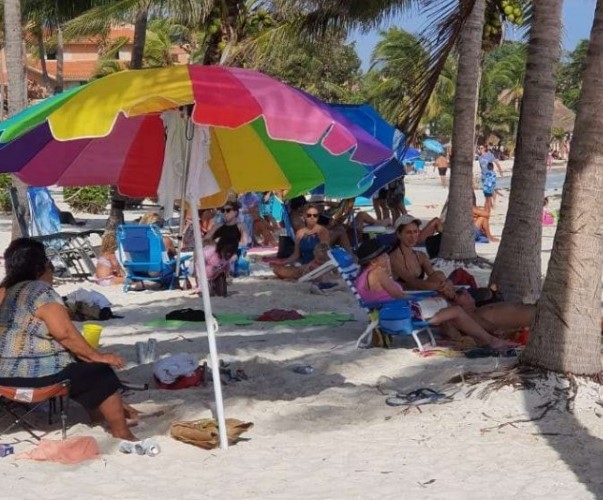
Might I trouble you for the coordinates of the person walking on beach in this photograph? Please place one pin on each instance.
(441, 163)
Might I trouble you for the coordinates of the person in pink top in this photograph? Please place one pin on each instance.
(375, 284)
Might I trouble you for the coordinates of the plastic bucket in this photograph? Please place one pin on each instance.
(92, 332)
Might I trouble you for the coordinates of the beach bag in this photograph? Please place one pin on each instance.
(187, 314)
(460, 277)
(218, 287)
(204, 433)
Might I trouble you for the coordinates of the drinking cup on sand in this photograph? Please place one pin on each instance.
(92, 332)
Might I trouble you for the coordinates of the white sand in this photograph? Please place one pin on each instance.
(328, 434)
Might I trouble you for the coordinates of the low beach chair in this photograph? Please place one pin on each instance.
(392, 317)
(20, 402)
(143, 255)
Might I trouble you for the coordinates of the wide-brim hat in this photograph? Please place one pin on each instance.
(370, 250)
(406, 219)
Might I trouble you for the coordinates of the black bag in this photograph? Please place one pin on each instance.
(218, 286)
(286, 246)
(187, 314)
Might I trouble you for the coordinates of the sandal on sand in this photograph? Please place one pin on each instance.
(421, 396)
(484, 352)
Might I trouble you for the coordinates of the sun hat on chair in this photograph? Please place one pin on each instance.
(369, 250)
(405, 219)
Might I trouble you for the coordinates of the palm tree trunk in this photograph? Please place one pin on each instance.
(17, 84)
(458, 241)
(517, 268)
(140, 35)
(60, 82)
(42, 56)
(566, 335)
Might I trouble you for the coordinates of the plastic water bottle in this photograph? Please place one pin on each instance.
(150, 447)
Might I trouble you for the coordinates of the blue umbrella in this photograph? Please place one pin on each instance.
(368, 118)
(434, 146)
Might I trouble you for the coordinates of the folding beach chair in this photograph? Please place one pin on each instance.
(70, 251)
(392, 317)
(143, 255)
(21, 402)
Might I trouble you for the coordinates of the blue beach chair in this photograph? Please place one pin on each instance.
(392, 317)
(144, 257)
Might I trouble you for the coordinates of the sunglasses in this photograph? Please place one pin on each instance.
(315, 216)
(226, 210)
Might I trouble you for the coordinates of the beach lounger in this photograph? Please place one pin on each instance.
(391, 318)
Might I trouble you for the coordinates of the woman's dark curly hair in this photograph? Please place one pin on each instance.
(24, 260)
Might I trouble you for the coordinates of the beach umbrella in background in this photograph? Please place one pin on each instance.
(369, 119)
(254, 134)
(434, 146)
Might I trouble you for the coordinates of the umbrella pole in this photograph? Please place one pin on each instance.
(188, 134)
(210, 325)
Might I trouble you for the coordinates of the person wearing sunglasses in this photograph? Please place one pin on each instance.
(232, 230)
(306, 239)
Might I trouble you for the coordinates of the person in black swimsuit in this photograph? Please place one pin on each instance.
(231, 230)
(412, 268)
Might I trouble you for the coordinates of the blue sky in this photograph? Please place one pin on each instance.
(577, 21)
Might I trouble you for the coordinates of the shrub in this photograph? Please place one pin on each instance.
(88, 199)
(5, 184)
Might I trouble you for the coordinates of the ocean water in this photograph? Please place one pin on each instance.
(554, 180)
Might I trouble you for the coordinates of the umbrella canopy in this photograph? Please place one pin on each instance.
(434, 146)
(265, 135)
(369, 119)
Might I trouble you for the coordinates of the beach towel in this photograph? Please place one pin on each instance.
(68, 451)
(239, 319)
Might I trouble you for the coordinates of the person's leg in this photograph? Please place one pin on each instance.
(483, 224)
(377, 208)
(339, 236)
(112, 409)
(507, 316)
(288, 272)
(467, 325)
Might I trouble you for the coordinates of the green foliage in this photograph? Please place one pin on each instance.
(569, 76)
(326, 67)
(5, 184)
(88, 199)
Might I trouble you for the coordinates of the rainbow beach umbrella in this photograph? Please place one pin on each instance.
(264, 134)
(244, 131)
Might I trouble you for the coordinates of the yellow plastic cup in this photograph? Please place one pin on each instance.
(92, 332)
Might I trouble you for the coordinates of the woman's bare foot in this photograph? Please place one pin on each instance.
(502, 344)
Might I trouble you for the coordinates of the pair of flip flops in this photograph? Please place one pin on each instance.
(418, 397)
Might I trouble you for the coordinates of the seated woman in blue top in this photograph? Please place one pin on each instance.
(40, 346)
(306, 239)
(375, 284)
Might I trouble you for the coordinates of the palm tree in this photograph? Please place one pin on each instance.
(566, 335)
(517, 268)
(17, 95)
(457, 240)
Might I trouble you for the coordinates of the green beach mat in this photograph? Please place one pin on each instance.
(315, 319)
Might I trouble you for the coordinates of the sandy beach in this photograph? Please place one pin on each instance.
(328, 434)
